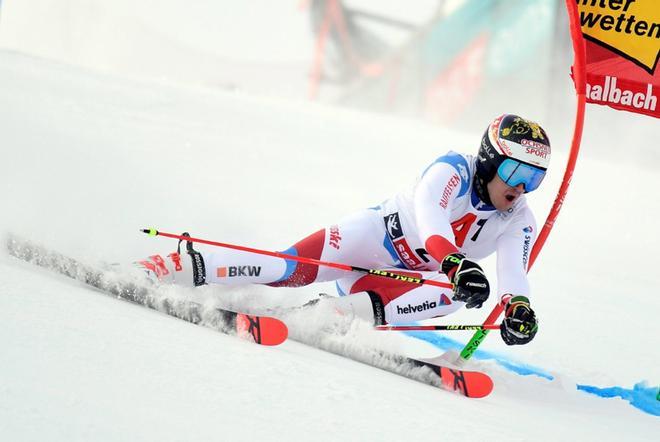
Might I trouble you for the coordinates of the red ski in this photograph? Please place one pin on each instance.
(472, 384)
(262, 330)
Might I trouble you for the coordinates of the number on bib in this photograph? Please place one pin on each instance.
(461, 227)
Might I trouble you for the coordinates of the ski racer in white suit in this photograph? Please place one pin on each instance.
(462, 209)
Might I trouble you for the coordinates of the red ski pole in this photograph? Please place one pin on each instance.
(348, 268)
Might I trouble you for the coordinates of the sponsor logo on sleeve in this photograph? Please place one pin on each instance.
(401, 246)
(453, 183)
(393, 225)
(406, 254)
(526, 244)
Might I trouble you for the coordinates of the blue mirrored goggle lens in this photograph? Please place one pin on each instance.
(513, 173)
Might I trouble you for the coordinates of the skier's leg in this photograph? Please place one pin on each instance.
(366, 306)
(393, 301)
(357, 240)
(215, 266)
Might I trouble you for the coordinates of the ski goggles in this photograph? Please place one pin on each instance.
(514, 172)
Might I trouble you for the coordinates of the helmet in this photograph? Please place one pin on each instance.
(518, 150)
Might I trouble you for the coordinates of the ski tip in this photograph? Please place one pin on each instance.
(482, 388)
(471, 384)
(262, 330)
(150, 232)
(274, 331)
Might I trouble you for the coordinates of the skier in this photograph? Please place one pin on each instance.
(462, 209)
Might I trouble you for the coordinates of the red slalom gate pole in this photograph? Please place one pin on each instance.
(305, 260)
(579, 77)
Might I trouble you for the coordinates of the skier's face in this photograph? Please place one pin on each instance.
(502, 195)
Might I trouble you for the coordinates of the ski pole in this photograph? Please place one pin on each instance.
(480, 334)
(305, 260)
(437, 327)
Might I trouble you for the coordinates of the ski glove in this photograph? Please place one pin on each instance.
(519, 325)
(470, 283)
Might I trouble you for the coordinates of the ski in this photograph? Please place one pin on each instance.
(436, 372)
(472, 384)
(264, 330)
(260, 329)
(439, 371)
(340, 338)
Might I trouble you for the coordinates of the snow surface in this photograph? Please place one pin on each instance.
(91, 156)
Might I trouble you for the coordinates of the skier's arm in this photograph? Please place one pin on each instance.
(513, 251)
(435, 194)
(434, 197)
(514, 247)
